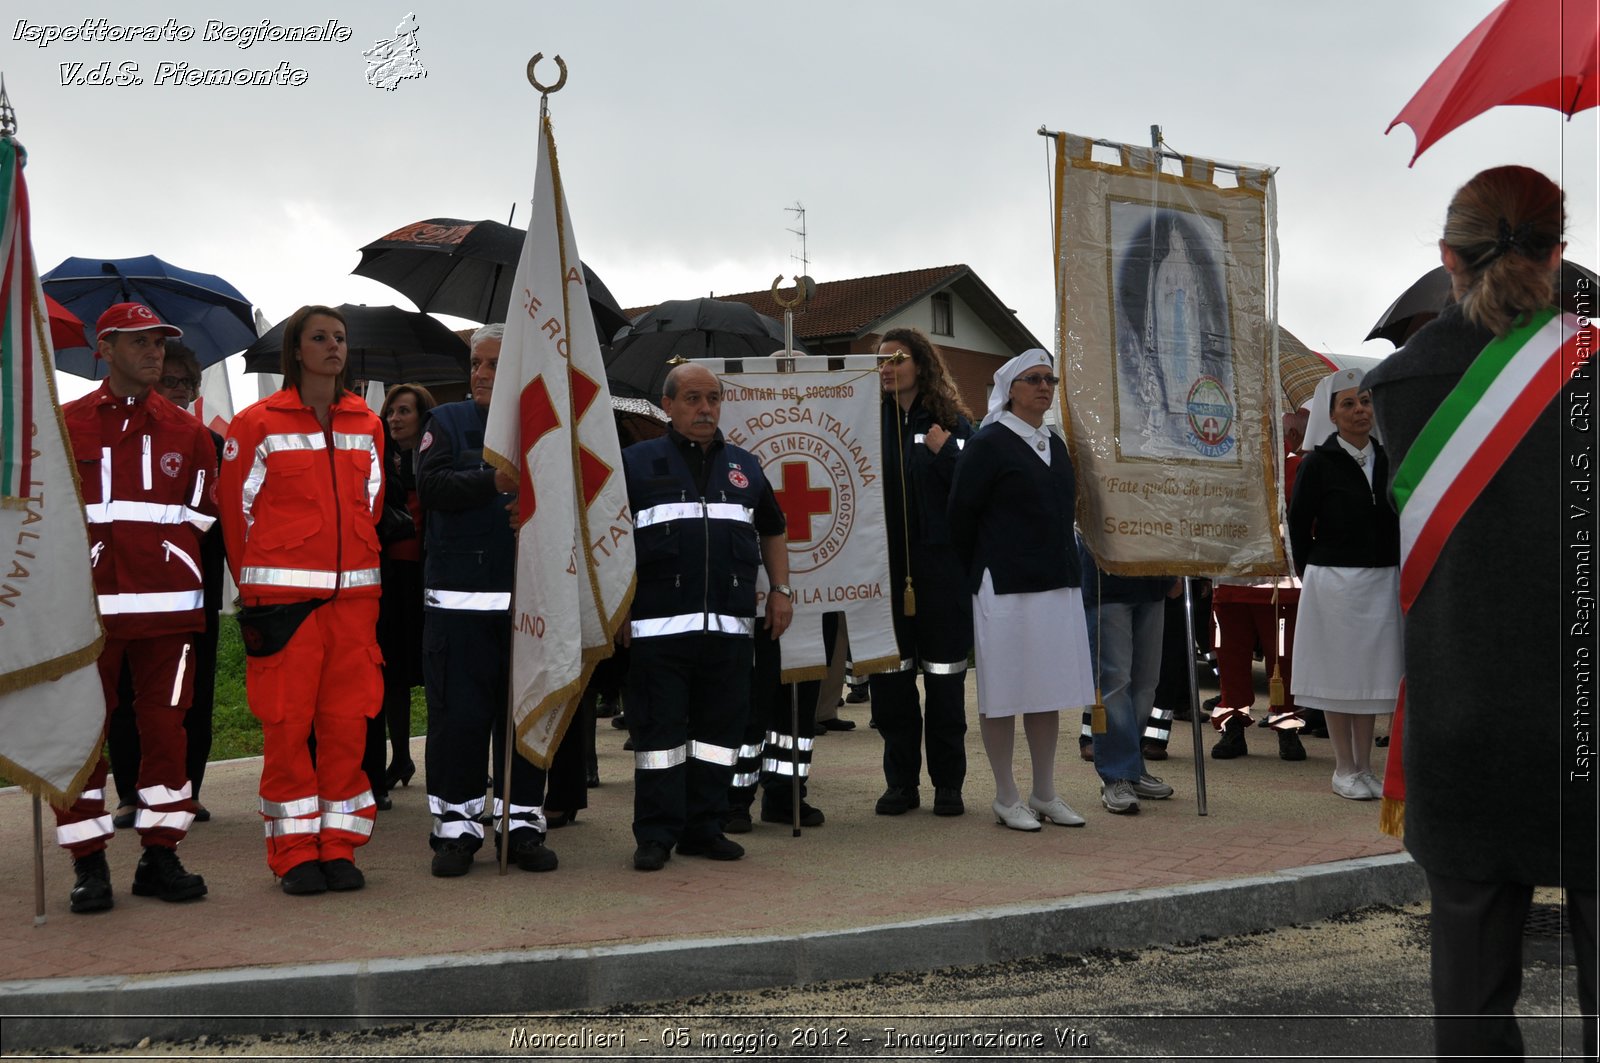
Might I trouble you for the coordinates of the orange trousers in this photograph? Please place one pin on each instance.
(327, 680)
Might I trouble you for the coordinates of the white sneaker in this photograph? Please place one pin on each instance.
(1119, 798)
(1353, 787)
(1016, 816)
(1150, 788)
(1374, 785)
(1056, 811)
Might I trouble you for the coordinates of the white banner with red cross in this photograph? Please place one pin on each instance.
(812, 422)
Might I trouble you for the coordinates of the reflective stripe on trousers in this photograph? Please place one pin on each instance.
(307, 578)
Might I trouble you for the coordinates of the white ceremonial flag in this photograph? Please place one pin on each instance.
(815, 431)
(550, 424)
(52, 709)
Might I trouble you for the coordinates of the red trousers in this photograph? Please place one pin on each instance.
(1241, 626)
(163, 685)
(328, 679)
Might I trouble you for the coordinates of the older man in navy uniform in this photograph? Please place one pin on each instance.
(469, 568)
(704, 518)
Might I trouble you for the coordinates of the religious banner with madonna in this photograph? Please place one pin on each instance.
(812, 422)
(1167, 338)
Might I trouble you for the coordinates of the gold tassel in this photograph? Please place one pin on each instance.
(910, 598)
(1392, 820)
(1275, 694)
(1097, 714)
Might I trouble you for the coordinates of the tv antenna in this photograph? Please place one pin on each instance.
(799, 211)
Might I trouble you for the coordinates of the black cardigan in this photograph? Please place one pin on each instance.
(1012, 514)
(1335, 519)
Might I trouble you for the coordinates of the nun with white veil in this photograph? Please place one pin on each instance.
(1345, 538)
(1011, 519)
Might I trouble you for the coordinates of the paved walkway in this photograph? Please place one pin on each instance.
(860, 895)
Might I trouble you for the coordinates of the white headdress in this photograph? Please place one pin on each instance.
(1007, 374)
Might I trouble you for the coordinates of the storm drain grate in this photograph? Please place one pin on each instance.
(1545, 921)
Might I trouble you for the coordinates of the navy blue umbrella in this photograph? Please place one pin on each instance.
(215, 317)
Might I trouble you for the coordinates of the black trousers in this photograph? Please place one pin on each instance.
(688, 702)
(937, 641)
(777, 738)
(1477, 964)
(400, 639)
(467, 667)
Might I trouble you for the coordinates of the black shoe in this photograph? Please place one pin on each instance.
(774, 812)
(837, 724)
(342, 875)
(898, 800)
(399, 775)
(627, 744)
(202, 814)
(1382, 741)
(304, 879)
(383, 802)
(160, 874)
(92, 890)
(532, 854)
(1289, 747)
(651, 856)
(1231, 744)
(620, 721)
(738, 822)
(718, 848)
(857, 696)
(452, 858)
(947, 801)
(1208, 706)
(124, 817)
(1153, 750)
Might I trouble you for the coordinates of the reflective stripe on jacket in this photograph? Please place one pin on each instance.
(148, 473)
(300, 506)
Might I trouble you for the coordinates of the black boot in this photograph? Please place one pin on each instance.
(161, 874)
(1289, 747)
(92, 890)
(1232, 742)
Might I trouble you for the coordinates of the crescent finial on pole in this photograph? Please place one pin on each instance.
(804, 288)
(546, 90)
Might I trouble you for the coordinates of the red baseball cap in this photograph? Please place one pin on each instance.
(132, 317)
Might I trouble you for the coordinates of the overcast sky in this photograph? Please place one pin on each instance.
(685, 128)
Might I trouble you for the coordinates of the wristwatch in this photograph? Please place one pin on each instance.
(784, 589)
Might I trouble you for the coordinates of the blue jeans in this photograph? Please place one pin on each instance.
(1125, 643)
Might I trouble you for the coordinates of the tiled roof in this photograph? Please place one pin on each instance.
(849, 307)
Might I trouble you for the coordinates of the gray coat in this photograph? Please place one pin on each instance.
(1489, 744)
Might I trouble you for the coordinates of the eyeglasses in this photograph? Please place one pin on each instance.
(173, 383)
(1033, 380)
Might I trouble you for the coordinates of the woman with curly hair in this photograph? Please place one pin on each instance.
(924, 427)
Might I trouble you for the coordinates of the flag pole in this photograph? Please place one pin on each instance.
(802, 291)
(38, 862)
(504, 825)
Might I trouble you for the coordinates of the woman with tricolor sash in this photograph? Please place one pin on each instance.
(1484, 413)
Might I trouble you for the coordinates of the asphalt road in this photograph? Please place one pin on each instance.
(1353, 988)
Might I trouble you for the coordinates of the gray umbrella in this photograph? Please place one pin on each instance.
(386, 343)
(1421, 303)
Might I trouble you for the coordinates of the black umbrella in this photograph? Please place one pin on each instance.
(465, 269)
(1421, 303)
(215, 317)
(386, 343)
(688, 328)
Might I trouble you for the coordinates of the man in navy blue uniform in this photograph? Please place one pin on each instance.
(704, 518)
(469, 569)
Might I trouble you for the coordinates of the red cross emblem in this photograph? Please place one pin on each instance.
(800, 501)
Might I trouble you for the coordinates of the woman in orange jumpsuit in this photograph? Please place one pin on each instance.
(299, 494)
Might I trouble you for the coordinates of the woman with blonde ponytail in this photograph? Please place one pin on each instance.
(1478, 412)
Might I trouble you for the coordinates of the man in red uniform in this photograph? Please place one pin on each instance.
(147, 470)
